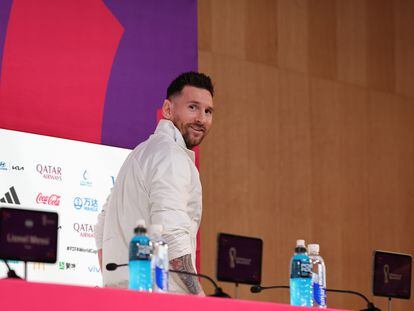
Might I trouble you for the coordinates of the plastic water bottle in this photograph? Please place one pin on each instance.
(301, 293)
(159, 263)
(140, 249)
(318, 276)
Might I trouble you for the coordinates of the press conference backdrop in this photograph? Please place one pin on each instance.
(69, 177)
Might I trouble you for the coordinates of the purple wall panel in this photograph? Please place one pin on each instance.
(5, 6)
(159, 42)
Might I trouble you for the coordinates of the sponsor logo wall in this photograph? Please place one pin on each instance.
(68, 177)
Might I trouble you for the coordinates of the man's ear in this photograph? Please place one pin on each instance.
(167, 109)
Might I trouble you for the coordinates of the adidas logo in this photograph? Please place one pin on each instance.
(10, 197)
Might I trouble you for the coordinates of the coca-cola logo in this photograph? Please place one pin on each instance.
(52, 199)
(50, 171)
(84, 230)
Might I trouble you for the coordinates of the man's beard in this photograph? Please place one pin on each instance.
(189, 139)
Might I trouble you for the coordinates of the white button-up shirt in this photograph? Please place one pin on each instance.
(159, 183)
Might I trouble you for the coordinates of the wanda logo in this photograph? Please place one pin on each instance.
(52, 199)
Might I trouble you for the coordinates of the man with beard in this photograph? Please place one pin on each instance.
(159, 183)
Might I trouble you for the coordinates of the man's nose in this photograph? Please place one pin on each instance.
(201, 117)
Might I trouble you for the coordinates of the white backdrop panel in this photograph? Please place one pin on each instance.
(69, 177)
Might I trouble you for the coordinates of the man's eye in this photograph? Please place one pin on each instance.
(192, 107)
(209, 112)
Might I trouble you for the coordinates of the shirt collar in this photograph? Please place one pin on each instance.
(168, 128)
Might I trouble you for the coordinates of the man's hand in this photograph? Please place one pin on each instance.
(183, 263)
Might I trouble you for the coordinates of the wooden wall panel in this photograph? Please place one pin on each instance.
(405, 47)
(295, 168)
(406, 175)
(326, 177)
(292, 25)
(381, 45)
(352, 41)
(244, 165)
(228, 19)
(204, 25)
(354, 215)
(383, 183)
(313, 135)
(261, 31)
(322, 47)
(404, 210)
(292, 202)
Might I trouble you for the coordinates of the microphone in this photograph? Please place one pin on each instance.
(370, 306)
(113, 266)
(218, 292)
(257, 288)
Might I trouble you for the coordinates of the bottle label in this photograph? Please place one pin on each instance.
(161, 278)
(301, 269)
(143, 252)
(319, 294)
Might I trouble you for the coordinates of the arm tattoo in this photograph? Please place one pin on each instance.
(183, 263)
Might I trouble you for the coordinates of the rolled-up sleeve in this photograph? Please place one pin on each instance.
(169, 193)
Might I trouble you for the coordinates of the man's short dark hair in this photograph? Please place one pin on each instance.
(191, 78)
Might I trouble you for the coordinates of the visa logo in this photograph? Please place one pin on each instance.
(94, 269)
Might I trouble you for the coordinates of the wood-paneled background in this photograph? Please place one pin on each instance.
(313, 135)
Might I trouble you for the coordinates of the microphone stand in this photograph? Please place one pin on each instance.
(218, 292)
(370, 306)
(11, 274)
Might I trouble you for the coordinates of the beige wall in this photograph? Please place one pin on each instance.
(313, 134)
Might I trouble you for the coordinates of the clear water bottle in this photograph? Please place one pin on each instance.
(318, 276)
(140, 249)
(301, 293)
(159, 263)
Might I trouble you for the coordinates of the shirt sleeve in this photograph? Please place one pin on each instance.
(99, 227)
(168, 196)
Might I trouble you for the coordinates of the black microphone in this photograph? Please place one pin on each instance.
(370, 306)
(113, 266)
(218, 292)
(257, 288)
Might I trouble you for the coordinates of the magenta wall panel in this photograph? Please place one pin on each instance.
(92, 70)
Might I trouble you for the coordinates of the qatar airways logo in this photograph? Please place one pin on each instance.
(84, 230)
(53, 199)
(49, 171)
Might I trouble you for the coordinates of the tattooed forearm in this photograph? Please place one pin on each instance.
(183, 263)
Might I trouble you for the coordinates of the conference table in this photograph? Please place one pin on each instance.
(16, 295)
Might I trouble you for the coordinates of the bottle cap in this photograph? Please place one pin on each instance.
(300, 243)
(313, 249)
(140, 223)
